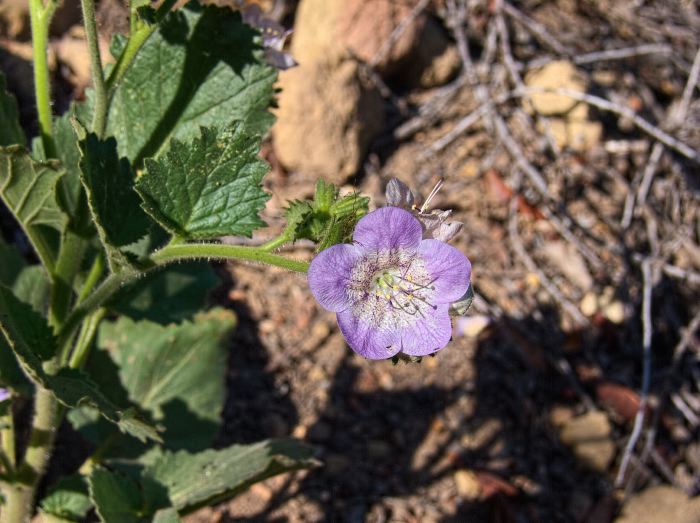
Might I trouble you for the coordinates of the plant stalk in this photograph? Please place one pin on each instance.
(99, 119)
(19, 496)
(40, 20)
(170, 254)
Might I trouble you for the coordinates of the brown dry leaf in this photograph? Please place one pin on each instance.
(622, 400)
(500, 192)
(492, 485)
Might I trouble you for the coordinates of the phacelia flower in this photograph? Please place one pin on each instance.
(391, 289)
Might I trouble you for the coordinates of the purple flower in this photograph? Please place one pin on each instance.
(4, 394)
(390, 288)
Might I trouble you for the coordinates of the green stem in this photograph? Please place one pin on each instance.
(167, 255)
(188, 251)
(40, 20)
(81, 351)
(276, 242)
(19, 496)
(98, 267)
(139, 34)
(7, 437)
(99, 119)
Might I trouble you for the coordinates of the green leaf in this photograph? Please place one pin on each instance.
(10, 130)
(26, 331)
(31, 339)
(195, 480)
(68, 499)
(202, 67)
(170, 295)
(28, 189)
(12, 263)
(11, 376)
(115, 206)
(175, 372)
(208, 188)
(117, 497)
(32, 286)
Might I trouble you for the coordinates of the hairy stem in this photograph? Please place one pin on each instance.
(81, 351)
(99, 118)
(7, 438)
(40, 19)
(170, 254)
(275, 243)
(187, 251)
(19, 496)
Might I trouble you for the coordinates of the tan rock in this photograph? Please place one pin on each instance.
(559, 74)
(583, 135)
(325, 119)
(661, 503)
(468, 484)
(589, 438)
(315, 32)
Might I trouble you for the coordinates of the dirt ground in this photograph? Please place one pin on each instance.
(585, 250)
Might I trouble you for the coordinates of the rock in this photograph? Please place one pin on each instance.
(615, 312)
(583, 135)
(468, 485)
(589, 304)
(326, 119)
(14, 18)
(559, 74)
(661, 503)
(365, 28)
(589, 438)
(471, 326)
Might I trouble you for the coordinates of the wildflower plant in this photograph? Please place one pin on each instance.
(122, 200)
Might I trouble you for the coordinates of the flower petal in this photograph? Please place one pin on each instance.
(388, 228)
(450, 269)
(329, 274)
(428, 334)
(366, 340)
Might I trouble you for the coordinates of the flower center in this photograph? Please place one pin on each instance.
(391, 289)
(401, 291)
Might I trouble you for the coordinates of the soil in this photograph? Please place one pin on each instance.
(474, 434)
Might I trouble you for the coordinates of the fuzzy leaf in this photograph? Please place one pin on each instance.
(25, 330)
(167, 296)
(208, 188)
(28, 189)
(109, 184)
(68, 500)
(119, 498)
(10, 131)
(201, 67)
(176, 372)
(31, 339)
(195, 480)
